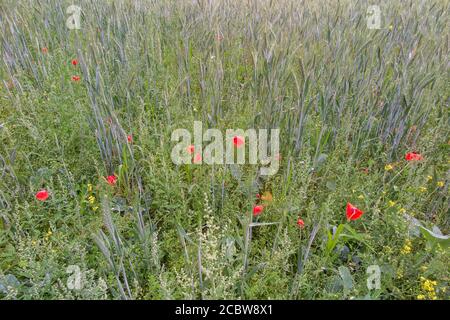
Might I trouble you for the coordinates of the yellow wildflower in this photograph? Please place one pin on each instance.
(361, 196)
(421, 297)
(401, 210)
(440, 184)
(91, 199)
(48, 234)
(428, 285)
(423, 189)
(388, 167)
(89, 187)
(429, 178)
(95, 208)
(387, 249)
(407, 248)
(23, 263)
(391, 203)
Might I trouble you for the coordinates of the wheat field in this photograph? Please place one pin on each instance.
(93, 206)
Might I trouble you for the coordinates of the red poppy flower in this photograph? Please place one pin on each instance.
(238, 141)
(130, 138)
(190, 149)
(257, 210)
(42, 195)
(300, 223)
(76, 78)
(44, 50)
(111, 180)
(353, 212)
(74, 62)
(197, 158)
(413, 156)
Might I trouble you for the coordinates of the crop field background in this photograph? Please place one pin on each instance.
(93, 207)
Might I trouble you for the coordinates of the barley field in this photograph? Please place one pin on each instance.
(93, 205)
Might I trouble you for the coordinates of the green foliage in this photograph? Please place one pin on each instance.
(349, 103)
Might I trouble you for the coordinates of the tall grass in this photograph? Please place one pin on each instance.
(312, 69)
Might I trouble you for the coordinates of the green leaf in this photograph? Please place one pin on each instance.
(434, 237)
(347, 278)
(333, 239)
(413, 225)
(356, 236)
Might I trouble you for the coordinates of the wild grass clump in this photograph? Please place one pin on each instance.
(363, 119)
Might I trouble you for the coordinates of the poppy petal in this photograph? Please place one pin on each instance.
(42, 195)
(257, 210)
(353, 213)
(238, 141)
